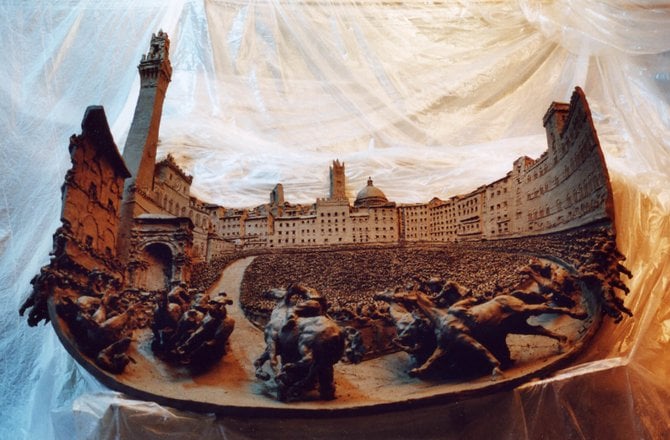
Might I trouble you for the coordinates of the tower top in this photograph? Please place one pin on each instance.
(337, 181)
(159, 48)
(277, 195)
(156, 62)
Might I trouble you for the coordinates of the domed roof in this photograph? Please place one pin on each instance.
(370, 196)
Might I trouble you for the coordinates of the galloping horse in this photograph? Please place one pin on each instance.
(481, 326)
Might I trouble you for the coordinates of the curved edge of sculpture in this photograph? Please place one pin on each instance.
(129, 286)
(263, 407)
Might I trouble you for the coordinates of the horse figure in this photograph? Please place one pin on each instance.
(552, 283)
(278, 318)
(480, 326)
(414, 333)
(206, 344)
(309, 346)
(307, 342)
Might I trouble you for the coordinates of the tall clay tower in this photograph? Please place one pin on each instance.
(139, 152)
(337, 182)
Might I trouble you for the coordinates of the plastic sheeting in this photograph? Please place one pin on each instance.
(430, 99)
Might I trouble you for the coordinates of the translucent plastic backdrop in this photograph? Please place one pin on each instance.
(428, 99)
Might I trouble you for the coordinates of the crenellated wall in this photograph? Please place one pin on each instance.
(568, 185)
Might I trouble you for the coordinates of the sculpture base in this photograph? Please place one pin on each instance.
(376, 385)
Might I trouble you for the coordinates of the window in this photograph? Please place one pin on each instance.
(93, 191)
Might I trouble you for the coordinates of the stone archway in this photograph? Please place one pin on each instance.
(161, 252)
(158, 270)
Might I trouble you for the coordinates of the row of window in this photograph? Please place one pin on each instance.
(497, 192)
(199, 219)
(327, 214)
(498, 206)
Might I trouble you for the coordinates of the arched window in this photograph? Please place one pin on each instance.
(93, 191)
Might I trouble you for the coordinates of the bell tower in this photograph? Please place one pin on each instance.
(139, 152)
(337, 182)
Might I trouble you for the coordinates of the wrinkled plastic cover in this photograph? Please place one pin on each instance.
(428, 99)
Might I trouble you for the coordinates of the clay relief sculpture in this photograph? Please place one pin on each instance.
(191, 328)
(302, 344)
(473, 329)
(452, 290)
(454, 323)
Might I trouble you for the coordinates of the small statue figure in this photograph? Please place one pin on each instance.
(553, 283)
(601, 272)
(190, 328)
(302, 345)
(36, 304)
(102, 328)
(309, 346)
(354, 348)
(450, 293)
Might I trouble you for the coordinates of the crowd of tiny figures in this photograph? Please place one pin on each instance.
(104, 315)
(349, 279)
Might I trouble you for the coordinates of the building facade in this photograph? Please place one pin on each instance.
(92, 195)
(567, 186)
(138, 222)
(332, 220)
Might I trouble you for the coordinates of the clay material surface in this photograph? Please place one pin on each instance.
(514, 275)
(382, 383)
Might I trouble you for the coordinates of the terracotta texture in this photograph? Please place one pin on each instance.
(136, 257)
